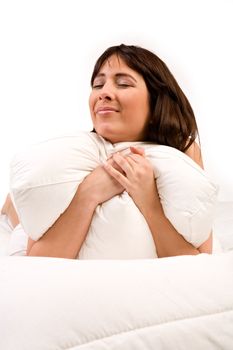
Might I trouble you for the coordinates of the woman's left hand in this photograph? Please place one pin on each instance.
(138, 178)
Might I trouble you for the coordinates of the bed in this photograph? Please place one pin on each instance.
(183, 302)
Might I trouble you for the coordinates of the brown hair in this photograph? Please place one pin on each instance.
(172, 121)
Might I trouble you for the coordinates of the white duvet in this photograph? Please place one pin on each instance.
(176, 303)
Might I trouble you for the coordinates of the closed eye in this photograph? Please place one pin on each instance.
(97, 86)
(124, 85)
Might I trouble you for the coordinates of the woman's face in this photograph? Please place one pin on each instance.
(119, 102)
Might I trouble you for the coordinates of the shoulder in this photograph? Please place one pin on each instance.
(194, 152)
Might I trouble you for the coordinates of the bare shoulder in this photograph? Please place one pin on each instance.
(194, 152)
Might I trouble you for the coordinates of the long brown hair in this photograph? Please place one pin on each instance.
(172, 121)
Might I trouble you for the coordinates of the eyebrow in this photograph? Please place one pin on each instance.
(118, 75)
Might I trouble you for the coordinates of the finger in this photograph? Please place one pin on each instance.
(136, 158)
(138, 150)
(123, 181)
(132, 161)
(123, 163)
(114, 164)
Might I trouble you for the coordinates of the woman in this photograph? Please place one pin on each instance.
(134, 97)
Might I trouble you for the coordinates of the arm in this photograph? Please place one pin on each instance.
(194, 152)
(138, 170)
(65, 238)
(61, 240)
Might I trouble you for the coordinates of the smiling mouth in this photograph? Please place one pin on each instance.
(103, 111)
(106, 111)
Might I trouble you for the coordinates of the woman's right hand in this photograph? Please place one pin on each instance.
(99, 186)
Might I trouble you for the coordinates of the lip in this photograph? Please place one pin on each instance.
(106, 110)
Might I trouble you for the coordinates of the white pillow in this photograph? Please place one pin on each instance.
(45, 177)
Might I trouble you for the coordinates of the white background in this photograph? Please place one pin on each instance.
(48, 49)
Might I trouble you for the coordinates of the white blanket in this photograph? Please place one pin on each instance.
(177, 303)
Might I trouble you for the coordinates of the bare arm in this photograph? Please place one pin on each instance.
(167, 240)
(65, 238)
(164, 226)
(138, 170)
(194, 152)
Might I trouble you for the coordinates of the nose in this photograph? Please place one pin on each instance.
(105, 96)
(106, 93)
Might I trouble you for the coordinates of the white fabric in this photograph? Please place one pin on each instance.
(223, 225)
(177, 303)
(13, 241)
(45, 177)
(17, 244)
(5, 234)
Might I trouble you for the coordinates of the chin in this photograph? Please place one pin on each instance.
(106, 134)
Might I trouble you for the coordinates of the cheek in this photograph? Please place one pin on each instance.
(91, 109)
(91, 105)
(145, 106)
(139, 106)
(90, 102)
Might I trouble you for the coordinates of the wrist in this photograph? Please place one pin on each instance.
(153, 210)
(84, 198)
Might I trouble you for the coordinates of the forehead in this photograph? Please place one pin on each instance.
(115, 64)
